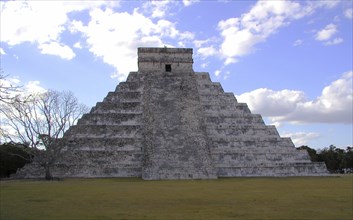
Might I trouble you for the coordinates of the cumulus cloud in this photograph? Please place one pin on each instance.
(189, 2)
(157, 9)
(200, 43)
(54, 48)
(272, 103)
(334, 105)
(207, 51)
(78, 45)
(348, 13)
(111, 36)
(241, 34)
(335, 41)
(2, 51)
(41, 22)
(326, 33)
(34, 87)
(114, 36)
(30, 87)
(301, 138)
(34, 22)
(217, 73)
(298, 42)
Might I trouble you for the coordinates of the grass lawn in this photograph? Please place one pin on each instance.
(234, 198)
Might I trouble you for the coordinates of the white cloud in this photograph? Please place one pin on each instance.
(200, 43)
(2, 51)
(77, 45)
(40, 22)
(157, 9)
(326, 33)
(31, 87)
(114, 37)
(301, 138)
(34, 22)
(333, 106)
(298, 42)
(217, 73)
(207, 51)
(34, 87)
(348, 13)
(241, 34)
(54, 48)
(335, 41)
(8, 82)
(271, 103)
(189, 2)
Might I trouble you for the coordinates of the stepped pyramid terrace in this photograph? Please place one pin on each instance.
(169, 122)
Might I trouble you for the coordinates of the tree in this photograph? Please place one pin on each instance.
(39, 121)
(335, 158)
(8, 92)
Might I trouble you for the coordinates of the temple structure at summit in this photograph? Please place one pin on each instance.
(169, 122)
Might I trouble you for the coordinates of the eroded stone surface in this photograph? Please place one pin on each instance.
(169, 122)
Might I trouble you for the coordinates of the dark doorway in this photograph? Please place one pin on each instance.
(168, 68)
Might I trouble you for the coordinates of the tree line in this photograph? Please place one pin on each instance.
(337, 160)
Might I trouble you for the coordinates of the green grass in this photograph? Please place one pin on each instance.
(235, 198)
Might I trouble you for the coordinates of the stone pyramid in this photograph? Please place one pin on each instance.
(169, 122)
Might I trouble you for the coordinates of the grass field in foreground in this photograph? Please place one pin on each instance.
(234, 198)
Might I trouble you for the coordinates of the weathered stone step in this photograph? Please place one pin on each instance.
(241, 118)
(96, 144)
(225, 109)
(120, 107)
(126, 159)
(207, 87)
(104, 131)
(256, 130)
(134, 77)
(96, 171)
(265, 164)
(262, 150)
(237, 159)
(249, 146)
(246, 142)
(123, 96)
(202, 76)
(290, 169)
(217, 99)
(129, 87)
(110, 119)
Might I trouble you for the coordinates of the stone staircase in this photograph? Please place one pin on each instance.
(176, 145)
(242, 145)
(107, 142)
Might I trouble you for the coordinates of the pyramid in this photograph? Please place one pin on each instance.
(169, 122)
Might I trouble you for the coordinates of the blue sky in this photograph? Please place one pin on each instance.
(290, 61)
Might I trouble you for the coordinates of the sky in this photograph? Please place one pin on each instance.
(290, 61)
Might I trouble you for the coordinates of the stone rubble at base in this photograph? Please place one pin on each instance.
(169, 122)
